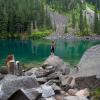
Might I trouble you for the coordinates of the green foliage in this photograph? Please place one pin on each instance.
(96, 94)
(22, 16)
(42, 33)
(73, 19)
(96, 21)
(62, 5)
(81, 22)
(85, 27)
(66, 29)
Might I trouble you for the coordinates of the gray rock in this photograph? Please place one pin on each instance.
(72, 92)
(51, 82)
(90, 82)
(1, 76)
(57, 63)
(74, 98)
(55, 87)
(30, 94)
(89, 64)
(54, 75)
(42, 80)
(43, 72)
(10, 85)
(31, 72)
(63, 80)
(67, 80)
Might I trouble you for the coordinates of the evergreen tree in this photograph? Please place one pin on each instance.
(96, 20)
(85, 27)
(73, 19)
(81, 21)
(18, 16)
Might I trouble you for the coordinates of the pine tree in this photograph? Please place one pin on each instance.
(85, 27)
(81, 22)
(96, 20)
(73, 19)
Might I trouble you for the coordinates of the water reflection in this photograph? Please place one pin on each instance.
(38, 50)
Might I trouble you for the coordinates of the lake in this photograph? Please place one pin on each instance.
(36, 51)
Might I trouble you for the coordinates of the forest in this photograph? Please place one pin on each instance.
(27, 16)
(22, 16)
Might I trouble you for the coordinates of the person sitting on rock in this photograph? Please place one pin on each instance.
(53, 48)
(9, 58)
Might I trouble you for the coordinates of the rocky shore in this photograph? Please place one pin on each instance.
(54, 80)
(72, 37)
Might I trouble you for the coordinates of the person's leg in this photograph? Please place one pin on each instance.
(53, 51)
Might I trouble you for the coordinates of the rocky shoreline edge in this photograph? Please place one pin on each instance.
(72, 37)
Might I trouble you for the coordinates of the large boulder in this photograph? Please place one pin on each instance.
(87, 74)
(57, 63)
(74, 98)
(11, 84)
(89, 64)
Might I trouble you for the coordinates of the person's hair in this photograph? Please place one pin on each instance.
(53, 41)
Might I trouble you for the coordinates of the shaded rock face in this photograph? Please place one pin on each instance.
(87, 82)
(12, 85)
(57, 63)
(89, 65)
(30, 94)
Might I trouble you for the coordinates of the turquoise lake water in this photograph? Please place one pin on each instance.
(36, 51)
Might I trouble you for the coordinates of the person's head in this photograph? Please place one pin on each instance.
(53, 42)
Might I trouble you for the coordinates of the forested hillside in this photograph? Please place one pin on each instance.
(22, 16)
(94, 2)
(83, 15)
(26, 16)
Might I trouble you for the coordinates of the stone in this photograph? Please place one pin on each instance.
(55, 87)
(47, 91)
(42, 80)
(3, 70)
(21, 94)
(90, 82)
(41, 73)
(57, 63)
(1, 76)
(58, 97)
(74, 98)
(66, 87)
(11, 85)
(89, 64)
(51, 82)
(53, 76)
(31, 72)
(50, 98)
(67, 80)
(49, 67)
(63, 79)
(83, 92)
(72, 92)
(32, 94)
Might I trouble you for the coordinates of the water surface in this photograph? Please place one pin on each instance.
(36, 51)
